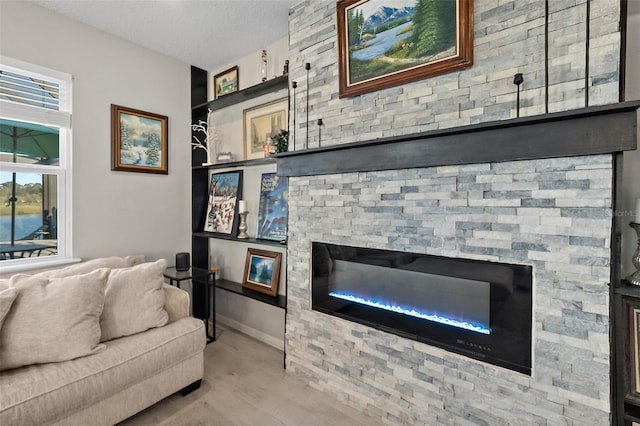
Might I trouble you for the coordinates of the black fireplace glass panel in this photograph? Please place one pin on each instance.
(475, 308)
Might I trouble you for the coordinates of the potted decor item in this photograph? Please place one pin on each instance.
(281, 141)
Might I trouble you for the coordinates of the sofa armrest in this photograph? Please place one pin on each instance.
(176, 302)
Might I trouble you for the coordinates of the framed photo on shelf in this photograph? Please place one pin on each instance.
(632, 350)
(225, 190)
(424, 39)
(226, 82)
(261, 123)
(262, 271)
(273, 208)
(139, 141)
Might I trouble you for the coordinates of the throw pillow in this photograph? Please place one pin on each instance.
(6, 300)
(92, 265)
(52, 320)
(134, 300)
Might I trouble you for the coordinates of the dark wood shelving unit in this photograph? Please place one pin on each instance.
(279, 300)
(200, 181)
(240, 163)
(240, 240)
(249, 93)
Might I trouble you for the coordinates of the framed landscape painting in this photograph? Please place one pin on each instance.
(261, 123)
(226, 82)
(273, 208)
(139, 141)
(225, 189)
(262, 271)
(385, 43)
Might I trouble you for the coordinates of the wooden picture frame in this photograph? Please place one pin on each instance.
(139, 141)
(632, 349)
(374, 53)
(225, 190)
(225, 82)
(262, 271)
(261, 123)
(273, 208)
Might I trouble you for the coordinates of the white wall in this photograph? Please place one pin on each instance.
(631, 163)
(114, 213)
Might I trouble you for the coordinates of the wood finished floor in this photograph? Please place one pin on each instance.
(245, 385)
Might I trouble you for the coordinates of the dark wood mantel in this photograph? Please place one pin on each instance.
(588, 131)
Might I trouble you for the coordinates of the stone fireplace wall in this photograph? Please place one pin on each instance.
(553, 214)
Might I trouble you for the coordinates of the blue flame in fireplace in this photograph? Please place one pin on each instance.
(408, 310)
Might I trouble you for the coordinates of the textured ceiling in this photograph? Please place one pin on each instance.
(206, 33)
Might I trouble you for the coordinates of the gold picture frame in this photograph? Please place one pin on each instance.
(375, 55)
(261, 123)
(632, 350)
(139, 141)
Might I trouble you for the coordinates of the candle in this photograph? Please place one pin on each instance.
(242, 206)
(637, 211)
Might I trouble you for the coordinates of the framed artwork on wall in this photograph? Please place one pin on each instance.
(262, 271)
(386, 43)
(261, 123)
(273, 208)
(632, 350)
(225, 190)
(226, 82)
(139, 141)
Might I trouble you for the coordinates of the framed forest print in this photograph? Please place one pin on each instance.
(273, 208)
(385, 43)
(225, 190)
(262, 271)
(139, 141)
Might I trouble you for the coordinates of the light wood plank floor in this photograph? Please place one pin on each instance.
(245, 385)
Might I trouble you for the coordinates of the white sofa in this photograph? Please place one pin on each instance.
(121, 375)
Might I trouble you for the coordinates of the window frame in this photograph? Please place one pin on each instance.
(60, 118)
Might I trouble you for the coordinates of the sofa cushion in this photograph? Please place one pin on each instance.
(6, 300)
(134, 300)
(53, 319)
(46, 393)
(92, 265)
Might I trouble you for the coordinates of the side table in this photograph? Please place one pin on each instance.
(199, 276)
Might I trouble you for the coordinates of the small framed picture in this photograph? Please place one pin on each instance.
(226, 82)
(139, 141)
(225, 189)
(261, 123)
(262, 271)
(632, 350)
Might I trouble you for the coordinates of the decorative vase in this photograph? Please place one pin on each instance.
(634, 278)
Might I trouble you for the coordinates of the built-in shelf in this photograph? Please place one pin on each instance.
(240, 163)
(279, 300)
(626, 289)
(269, 86)
(240, 240)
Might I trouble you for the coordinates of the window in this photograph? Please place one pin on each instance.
(35, 146)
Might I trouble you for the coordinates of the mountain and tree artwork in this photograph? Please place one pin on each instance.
(225, 190)
(273, 208)
(385, 43)
(262, 271)
(139, 141)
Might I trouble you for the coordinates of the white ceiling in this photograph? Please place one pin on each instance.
(206, 33)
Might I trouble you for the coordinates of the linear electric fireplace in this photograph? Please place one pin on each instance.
(475, 308)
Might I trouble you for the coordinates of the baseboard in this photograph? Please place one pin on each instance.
(249, 331)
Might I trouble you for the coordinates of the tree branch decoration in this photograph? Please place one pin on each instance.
(208, 143)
